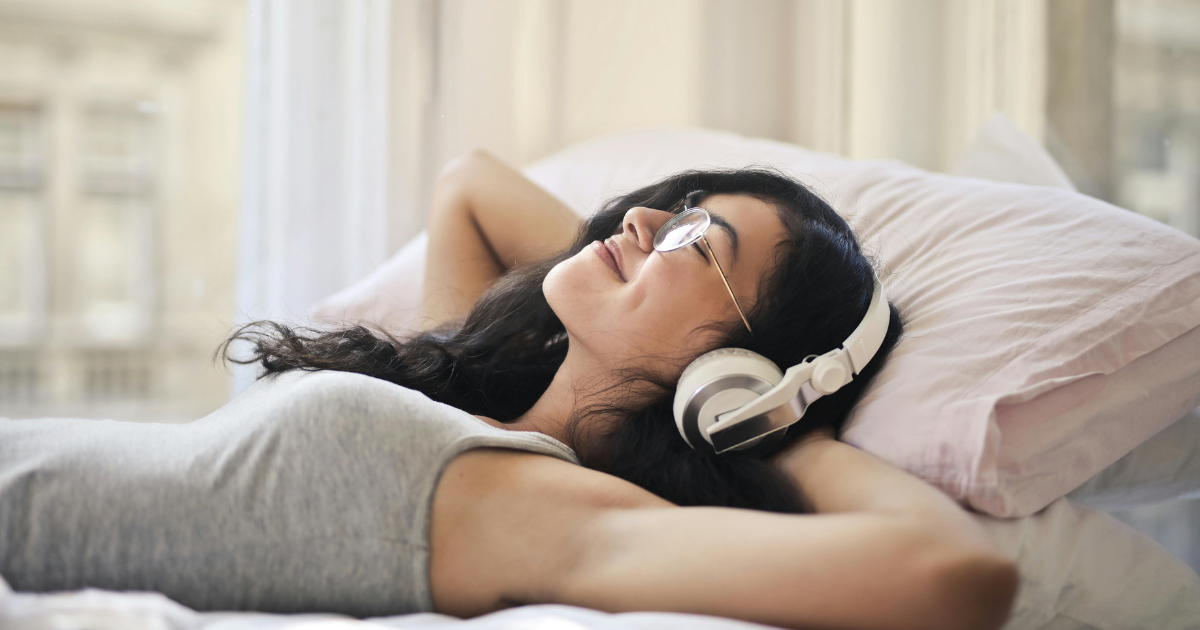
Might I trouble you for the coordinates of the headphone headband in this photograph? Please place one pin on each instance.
(864, 342)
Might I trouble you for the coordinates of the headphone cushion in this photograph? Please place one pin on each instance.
(718, 364)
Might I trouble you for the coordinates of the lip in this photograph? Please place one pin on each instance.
(605, 253)
(618, 258)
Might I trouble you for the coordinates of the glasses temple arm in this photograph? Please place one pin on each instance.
(726, 281)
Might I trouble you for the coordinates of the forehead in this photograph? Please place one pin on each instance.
(758, 225)
(756, 221)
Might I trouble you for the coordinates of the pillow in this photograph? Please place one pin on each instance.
(1011, 292)
(1165, 467)
(1162, 468)
(1003, 153)
(389, 298)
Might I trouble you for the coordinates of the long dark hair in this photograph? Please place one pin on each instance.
(503, 356)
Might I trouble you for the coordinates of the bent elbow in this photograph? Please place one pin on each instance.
(978, 590)
(464, 163)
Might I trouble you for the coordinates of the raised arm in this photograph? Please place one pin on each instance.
(885, 550)
(837, 478)
(484, 218)
(889, 557)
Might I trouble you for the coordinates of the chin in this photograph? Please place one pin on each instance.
(577, 296)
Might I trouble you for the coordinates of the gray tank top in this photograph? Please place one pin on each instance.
(311, 491)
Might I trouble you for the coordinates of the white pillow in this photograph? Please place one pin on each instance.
(1003, 153)
(1012, 292)
(389, 298)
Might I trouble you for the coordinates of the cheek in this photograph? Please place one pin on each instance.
(671, 307)
(681, 299)
(654, 314)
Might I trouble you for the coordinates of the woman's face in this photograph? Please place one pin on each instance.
(648, 309)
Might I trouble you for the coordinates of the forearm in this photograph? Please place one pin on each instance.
(518, 220)
(459, 263)
(837, 477)
(894, 553)
(485, 217)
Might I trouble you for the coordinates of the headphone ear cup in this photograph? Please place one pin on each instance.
(717, 382)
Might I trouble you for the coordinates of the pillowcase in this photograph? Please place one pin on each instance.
(1163, 468)
(1003, 153)
(1011, 292)
(389, 298)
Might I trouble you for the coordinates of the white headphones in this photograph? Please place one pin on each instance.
(733, 398)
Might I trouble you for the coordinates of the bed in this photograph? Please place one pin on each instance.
(1080, 568)
(1063, 397)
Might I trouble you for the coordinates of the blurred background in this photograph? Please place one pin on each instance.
(169, 169)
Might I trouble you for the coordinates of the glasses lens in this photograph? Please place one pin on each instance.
(682, 230)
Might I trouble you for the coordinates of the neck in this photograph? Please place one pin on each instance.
(579, 372)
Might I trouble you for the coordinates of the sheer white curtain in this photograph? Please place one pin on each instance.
(314, 205)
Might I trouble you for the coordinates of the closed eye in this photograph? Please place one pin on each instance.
(700, 250)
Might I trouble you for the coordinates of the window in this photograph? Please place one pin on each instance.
(119, 175)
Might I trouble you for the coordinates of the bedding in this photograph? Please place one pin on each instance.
(1001, 152)
(1164, 468)
(108, 610)
(1081, 569)
(389, 297)
(1024, 306)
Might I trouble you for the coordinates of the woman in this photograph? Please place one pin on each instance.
(536, 323)
(327, 487)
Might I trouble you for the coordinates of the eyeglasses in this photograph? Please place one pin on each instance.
(686, 228)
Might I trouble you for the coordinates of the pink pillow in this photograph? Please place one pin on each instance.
(389, 298)
(1159, 469)
(1011, 293)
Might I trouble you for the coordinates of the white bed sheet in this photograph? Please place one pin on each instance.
(1080, 569)
(107, 610)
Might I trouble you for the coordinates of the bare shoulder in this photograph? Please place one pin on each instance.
(505, 475)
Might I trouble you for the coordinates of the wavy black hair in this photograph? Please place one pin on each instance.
(502, 357)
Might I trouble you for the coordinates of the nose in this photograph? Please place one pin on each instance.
(641, 224)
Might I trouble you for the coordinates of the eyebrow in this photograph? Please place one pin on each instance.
(720, 222)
